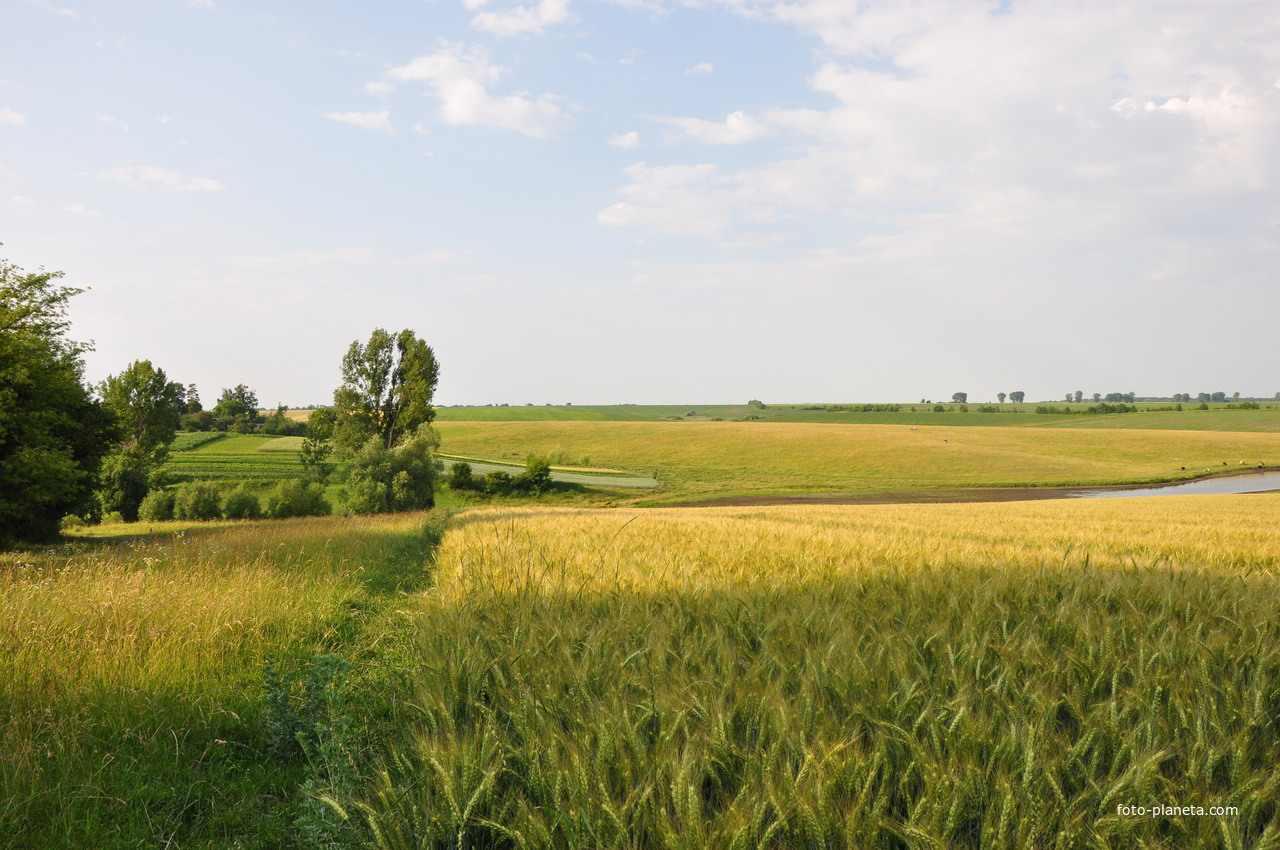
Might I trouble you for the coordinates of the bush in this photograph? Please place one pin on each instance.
(123, 485)
(198, 501)
(937, 408)
(537, 474)
(400, 479)
(497, 483)
(298, 497)
(460, 477)
(242, 504)
(157, 506)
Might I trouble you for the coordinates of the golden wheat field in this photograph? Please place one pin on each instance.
(692, 548)
(888, 676)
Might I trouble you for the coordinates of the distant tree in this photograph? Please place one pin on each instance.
(1017, 396)
(537, 473)
(1000, 396)
(1235, 396)
(1079, 396)
(460, 477)
(760, 405)
(193, 400)
(1069, 397)
(959, 398)
(1096, 397)
(1202, 398)
(1277, 396)
(1218, 397)
(237, 401)
(316, 445)
(53, 434)
(278, 424)
(387, 388)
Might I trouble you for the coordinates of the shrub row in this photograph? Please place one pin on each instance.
(200, 500)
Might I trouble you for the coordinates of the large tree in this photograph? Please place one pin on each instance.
(148, 405)
(387, 387)
(53, 434)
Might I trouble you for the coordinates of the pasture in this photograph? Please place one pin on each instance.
(219, 456)
(874, 676)
(697, 460)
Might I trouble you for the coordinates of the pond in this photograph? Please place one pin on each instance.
(1250, 482)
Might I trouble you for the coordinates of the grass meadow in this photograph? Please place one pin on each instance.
(712, 459)
(998, 675)
(131, 693)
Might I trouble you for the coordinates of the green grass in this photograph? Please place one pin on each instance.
(131, 693)
(713, 459)
(185, 441)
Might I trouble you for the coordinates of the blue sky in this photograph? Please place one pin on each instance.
(658, 201)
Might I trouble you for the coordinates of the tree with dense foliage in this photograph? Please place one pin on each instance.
(316, 445)
(1017, 396)
(147, 404)
(381, 480)
(53, 434)
(1000, 396)
(237, 401)
(960, 398)
(387, 387)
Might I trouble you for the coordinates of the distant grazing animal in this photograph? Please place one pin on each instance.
(1184, 469)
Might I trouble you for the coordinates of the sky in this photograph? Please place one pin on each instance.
(656, 201)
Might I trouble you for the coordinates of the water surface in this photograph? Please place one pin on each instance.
(1250, 482)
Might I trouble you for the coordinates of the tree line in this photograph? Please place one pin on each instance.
(71, 449)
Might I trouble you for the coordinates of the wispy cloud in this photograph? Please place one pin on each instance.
(625, 140)
(460, 78)
(380, 121)
(49, 7)
(13, 119)
(160, 179)
(80, 209)
(523, 19)
(738, 127)
(700, 68)
(111, 120)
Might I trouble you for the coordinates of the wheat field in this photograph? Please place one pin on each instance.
(1002, 675)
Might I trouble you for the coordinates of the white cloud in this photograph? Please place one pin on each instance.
(630, 58)
(21, 199)
(673, 199)
(379, 88)
(13, 119)
(162, 179)
(738, 127)
(163, 119)
(1127, 118)
(625, 140)
(49, 7)
(460, 78)
(700, 68)
(523, 19)
(111, 120)
(79, 209)
(380, 121)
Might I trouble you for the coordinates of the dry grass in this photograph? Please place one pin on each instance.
(132, 663)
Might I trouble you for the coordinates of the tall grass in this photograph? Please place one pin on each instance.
(131, 680)
(888, 676)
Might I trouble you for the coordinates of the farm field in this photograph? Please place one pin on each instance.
(918, 676)
(697, 460)
(841, 676)
(1218, 418)
(246, 457)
